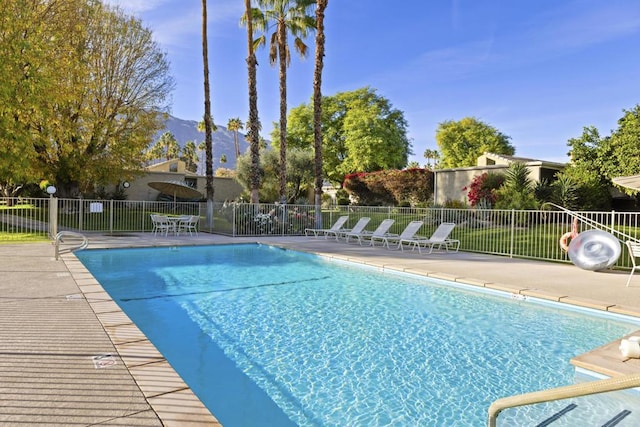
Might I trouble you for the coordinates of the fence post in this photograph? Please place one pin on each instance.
(80, 215)
(513, 232)
(233, 219)
(111, 216)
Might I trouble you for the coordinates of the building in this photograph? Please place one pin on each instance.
(174, 170)
(449, 183)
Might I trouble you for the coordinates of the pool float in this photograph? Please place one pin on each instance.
(594, 250)
(569, 235)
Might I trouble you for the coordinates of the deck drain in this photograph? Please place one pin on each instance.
(74, 296)
(102, 361)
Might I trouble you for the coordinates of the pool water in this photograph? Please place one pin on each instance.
(267, 336)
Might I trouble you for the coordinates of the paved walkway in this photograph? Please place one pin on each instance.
(68, 356)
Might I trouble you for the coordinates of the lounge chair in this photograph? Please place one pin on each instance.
(409, 231)
(382, 230)
(357, 228)
(439, 238)
(340, 222)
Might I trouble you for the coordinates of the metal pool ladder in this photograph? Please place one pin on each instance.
(76, 241)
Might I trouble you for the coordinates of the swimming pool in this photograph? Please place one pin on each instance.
(266, 336)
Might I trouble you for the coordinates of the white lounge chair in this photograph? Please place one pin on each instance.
(409, 231)
(357, 228)
(381, 231)
(340, 222)
(439, 238)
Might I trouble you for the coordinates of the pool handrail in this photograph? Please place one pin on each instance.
(71, 234)
(593, 223)
(622, 382)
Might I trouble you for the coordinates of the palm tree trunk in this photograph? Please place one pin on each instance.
(253, 128)
(207, 119)
(282, 51)
(321, 5)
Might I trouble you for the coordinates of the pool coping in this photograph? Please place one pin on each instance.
(173, 400)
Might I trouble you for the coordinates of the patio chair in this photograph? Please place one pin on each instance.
(188, 223)
(161, 224)
(634, 252)
(340, 222)
(409, 231)
(439, 238)
(357, 228)
(382, 230)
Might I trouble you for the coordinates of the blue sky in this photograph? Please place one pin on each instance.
(537, 70)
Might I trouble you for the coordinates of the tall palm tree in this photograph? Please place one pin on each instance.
(235, 125)
(253, 126)
(321, 5)
(208, 120)
(290, 17)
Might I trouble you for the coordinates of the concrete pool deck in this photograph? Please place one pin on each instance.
(68, 355)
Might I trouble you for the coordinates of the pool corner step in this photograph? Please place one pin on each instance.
(611, 423)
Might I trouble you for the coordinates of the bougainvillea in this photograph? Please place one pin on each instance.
(482, 189)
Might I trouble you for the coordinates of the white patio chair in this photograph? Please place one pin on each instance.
(439, 238)
(188, 223)
(381, 231)
(161, 224)
(340, 222)
(409, 231)
(634, 252)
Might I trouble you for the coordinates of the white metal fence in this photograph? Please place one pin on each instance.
(524, 234)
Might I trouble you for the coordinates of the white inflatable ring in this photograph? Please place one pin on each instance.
(594, 250)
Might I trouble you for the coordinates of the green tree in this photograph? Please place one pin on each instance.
(589, 156)
(462, 142)
(620, 152)
(234, 125)
(190, 156)
(92, 93)
(361, 132)
(430, 155)
(299, 174)
(165, 148)
(517, 191)
(291, 17)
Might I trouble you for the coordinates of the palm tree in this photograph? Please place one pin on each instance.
(431, 154)
(321, 5)
(290, 17)
(208, 121)
(253, 125)
(235, 125)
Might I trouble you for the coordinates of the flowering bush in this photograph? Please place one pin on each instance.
(390, 187)
(482, 190)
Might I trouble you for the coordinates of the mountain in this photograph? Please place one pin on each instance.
(223, 142)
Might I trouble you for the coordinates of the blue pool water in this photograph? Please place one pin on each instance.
(266, 336)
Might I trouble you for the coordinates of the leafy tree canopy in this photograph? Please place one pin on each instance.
(299, 174)
(462, 142)
(82, 87)
(361, 132)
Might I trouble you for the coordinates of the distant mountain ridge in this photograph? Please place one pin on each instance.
(223, 142)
